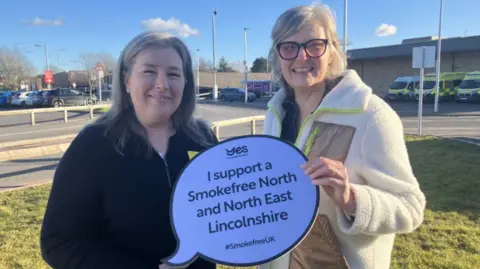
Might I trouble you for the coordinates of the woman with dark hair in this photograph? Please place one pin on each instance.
(109, 206)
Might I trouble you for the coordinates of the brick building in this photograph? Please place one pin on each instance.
(224, 79)
(67, 78)
(379, 66)
(229, 79)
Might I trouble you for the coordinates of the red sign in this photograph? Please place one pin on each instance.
(99, 67)
(48, 77)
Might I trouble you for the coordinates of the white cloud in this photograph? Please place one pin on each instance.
(43, 22)
(386, 30)
(171, 25)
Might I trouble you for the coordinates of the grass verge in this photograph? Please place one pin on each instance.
(102, 110)
(448, 172)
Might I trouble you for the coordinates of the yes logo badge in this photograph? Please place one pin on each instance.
(237, 152)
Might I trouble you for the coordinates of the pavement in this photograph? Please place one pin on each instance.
(453, 122)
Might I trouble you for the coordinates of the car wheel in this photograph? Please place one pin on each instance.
(57, 104)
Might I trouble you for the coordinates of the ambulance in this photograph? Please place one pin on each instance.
(469, 89)
(449, 84)
(402, 88)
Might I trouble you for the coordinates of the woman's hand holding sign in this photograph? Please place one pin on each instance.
(333, 177)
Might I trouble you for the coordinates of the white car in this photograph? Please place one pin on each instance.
(20, 99)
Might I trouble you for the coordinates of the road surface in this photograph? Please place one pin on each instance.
(18, 172)
(17, 127)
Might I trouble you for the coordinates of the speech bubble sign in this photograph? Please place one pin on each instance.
(243, 202)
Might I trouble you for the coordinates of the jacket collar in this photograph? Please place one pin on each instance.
(350, 95)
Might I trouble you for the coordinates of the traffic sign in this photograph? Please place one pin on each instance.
(422, 57)
(99, 67)
(99, 70)
(48, 77)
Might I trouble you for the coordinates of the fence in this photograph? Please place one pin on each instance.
(65, 110)
(252, 120)
(215, 126)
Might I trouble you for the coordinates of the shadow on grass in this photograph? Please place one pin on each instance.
(449, 237)
(448, 173)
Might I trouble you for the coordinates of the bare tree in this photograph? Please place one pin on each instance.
(88, 62)
(108, 62)
(14, 67)
(205, 66)
(55, 69)
(238, 66)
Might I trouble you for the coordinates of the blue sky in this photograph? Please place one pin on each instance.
(70, 28)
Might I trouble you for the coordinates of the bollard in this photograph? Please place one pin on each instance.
(252, 126)
(32, 117)
(65, 115)
(217, 131)
(91, 113)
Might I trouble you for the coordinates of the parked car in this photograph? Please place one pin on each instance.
(235, 94)
(67, 97)
(6, 98)
(35, 99)
(20, 99)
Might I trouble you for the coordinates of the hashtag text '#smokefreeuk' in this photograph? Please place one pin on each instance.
(253, 242)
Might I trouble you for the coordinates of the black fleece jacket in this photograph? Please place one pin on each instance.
(108, 210)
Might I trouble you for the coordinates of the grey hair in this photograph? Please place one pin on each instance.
(121, 121)
(290, 22)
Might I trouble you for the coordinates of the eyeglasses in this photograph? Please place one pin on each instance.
(314, 48)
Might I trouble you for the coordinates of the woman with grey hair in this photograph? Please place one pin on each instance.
(354, 143)
(109, 206)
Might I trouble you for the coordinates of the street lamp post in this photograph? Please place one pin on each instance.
(215, 89)
(245, 63)
(46, 61)
(198, 73)
(439, 49)
(345, 26)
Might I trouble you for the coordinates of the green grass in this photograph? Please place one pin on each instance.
(448, 172)
(102, 110)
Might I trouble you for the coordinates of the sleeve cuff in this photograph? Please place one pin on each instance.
(358, 222)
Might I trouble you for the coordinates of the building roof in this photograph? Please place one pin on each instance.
(449, 45)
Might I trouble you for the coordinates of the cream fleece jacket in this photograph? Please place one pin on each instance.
(387, 194)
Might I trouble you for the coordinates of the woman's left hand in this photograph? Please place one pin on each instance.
(333, 178)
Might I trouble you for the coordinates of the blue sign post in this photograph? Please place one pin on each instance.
(243, 202)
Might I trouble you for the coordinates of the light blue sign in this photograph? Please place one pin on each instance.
(243, 202)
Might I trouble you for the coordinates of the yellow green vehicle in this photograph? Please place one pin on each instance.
(469, 89)
(402, 89)
(449, 84)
